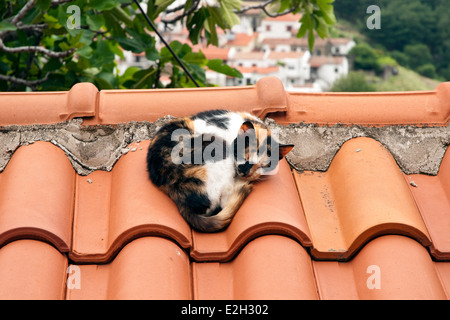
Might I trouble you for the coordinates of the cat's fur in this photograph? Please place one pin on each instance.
(217, 171)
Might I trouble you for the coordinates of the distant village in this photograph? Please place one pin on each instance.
(262, 46)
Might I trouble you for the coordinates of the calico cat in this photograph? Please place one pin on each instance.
(207, 163)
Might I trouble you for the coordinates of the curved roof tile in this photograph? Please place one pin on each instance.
(37, 196)
(361, 196)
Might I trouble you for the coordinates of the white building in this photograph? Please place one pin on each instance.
(280, 27)
(325, 70)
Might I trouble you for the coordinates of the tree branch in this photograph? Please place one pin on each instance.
(56, 2)
(258, 6)
(22, 12)
(28, 83)
(47, 52)
(184, 14)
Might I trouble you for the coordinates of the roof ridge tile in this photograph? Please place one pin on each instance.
(121, 106)
(48, 107)
(431, 108)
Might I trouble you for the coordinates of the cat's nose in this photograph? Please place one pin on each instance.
(244, 169)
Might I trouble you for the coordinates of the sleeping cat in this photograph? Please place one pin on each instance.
(207, 163)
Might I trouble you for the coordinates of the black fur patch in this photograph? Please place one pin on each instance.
(197, 203)
(213, 117)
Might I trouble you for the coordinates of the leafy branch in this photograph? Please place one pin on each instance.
(45, 47)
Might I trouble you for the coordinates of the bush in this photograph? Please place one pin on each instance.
(400, 57)
(353, 82)
(427, 70)
(418, 55)
(365, 57)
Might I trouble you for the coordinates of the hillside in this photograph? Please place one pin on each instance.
(415, 33)
(406, 78)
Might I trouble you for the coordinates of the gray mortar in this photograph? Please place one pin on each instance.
(90, 148)
(415, 149)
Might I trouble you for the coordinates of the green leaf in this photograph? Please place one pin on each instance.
(311, 39)
(95, 21)
(43, 4)
(113, 46)
(152, 54)
(7, 26)
(322, 27)
(326, 8)
(131, 45)
(197, 58)
(226, 8)
(102, 54)
(162, 5)
(195, 24)
(145, 78)
(103, 4)
(85, 52)
(305, 25)
(123, 16)
(217, 65)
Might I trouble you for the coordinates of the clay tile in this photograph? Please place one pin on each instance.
(36, 196)
(389, 267)
(146, 268)
(116, 207)
(269, 267)
(119, 106)
(377, 109)
(81, 101)
(273, 207)
(362, 195)
(32, 270)
(432, 195)
(24, 108)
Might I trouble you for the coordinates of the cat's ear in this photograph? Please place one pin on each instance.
(284, 149)
(247, 125)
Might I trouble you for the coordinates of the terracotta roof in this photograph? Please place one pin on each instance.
(318, 61)
(258, 70)
(287, 17)
(211, 52)
(363, 228)
(279, 55)
(242, 39)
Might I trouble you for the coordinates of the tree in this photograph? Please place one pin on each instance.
(365, 57)
(53, 44)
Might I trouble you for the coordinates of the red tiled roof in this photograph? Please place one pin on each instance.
(258, 70)
(242, 39)
(286, 17)
(318, 61)
(336, 234)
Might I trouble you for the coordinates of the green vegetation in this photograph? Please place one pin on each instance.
(54, 44)
(415, 33)
(353, 82)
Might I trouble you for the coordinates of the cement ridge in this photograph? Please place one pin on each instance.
(416, 149)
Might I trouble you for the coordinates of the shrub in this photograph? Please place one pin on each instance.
(353, 82)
